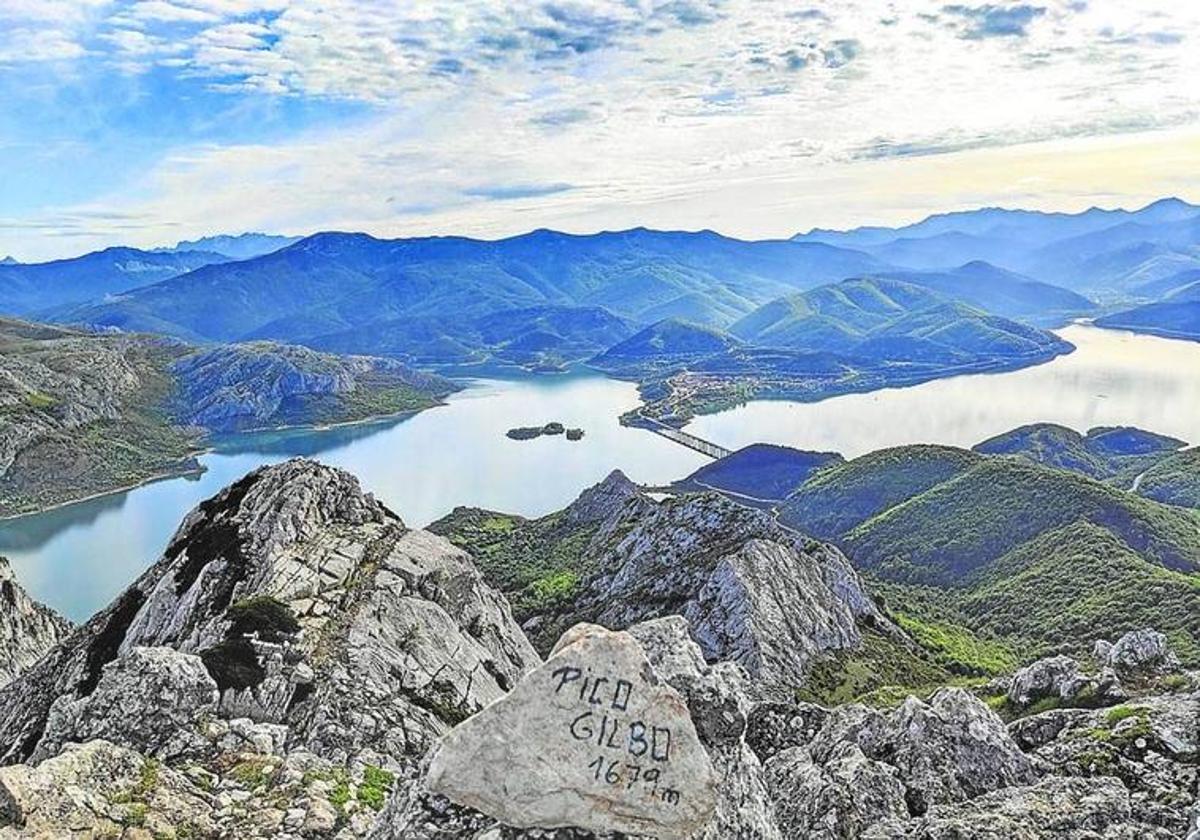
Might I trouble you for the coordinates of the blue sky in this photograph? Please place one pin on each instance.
(148, 121)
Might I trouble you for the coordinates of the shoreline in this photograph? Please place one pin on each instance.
(209, 449)
(91, 497)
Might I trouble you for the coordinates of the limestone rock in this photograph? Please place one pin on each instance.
(718, 698)
(837, 800)
(1056, 676)
(947, 750)
(1150, 743)
(592, 738)
(310, 606)
(752, 592)
(150, 700)
(27, 629)
(1141, 652)
(95, 790)
(1052, 809)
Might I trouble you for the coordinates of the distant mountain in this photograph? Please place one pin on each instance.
(1002, 292)
(32, 287)
(240, 247)
(1165, 287)
(856, 335)
(1103, 453)
(1108, 251)
(531, 336)
(667, 343)
(9, 261)
(1171, 318)
(331, 285)
(881, 320)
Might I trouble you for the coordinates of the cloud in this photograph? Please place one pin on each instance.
(511, 192)
(483, 113)
(992, 21)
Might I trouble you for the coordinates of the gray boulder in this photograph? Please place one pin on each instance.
(837, 800)
(151, 700)
(1056, 676)
(950, 749)
(1141, 652)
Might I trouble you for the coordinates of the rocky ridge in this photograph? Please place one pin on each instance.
(295, 642)
(289, 665)
(752, 591)
(27, 629)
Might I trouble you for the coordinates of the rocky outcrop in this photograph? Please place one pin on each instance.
(27, 629)
(293, 628)
(1151, 744)
(1070, 809)
(592, 739)
(100, 790)
(1138, 653)
(752, 592)
(1056, 676)
(251, 385)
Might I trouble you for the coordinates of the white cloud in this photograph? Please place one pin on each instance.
(635, 103)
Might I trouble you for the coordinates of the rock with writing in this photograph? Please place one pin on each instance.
(592, 739)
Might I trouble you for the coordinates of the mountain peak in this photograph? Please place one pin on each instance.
(9, 260)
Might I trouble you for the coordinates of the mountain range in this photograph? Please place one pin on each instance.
(241, 246)
(854, 335)
(1107, 253)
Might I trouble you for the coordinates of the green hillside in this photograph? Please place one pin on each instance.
(843, 496)
(1175, 480)
(1030, 557)
(961, 526)
(1115, 454)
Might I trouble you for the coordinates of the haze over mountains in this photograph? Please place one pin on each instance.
(547, 298)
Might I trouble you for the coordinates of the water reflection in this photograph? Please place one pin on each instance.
(1113, 378)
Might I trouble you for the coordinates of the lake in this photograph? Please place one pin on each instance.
(1113, 378)
(79, 557)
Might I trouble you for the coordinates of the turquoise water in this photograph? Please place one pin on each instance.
(77, 558)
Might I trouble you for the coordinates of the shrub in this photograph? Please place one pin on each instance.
(270, 618)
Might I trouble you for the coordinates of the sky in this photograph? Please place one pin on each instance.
(143, 122)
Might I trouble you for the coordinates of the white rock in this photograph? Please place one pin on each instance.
(592, 739)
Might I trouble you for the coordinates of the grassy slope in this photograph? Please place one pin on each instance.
(1174, 480)
(1032, 559)
(843, 496)
(537, 563)
(958, 527)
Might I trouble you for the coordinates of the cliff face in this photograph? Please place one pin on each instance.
(245, 386)
(752, 591)
(27, 629)
(292, 615)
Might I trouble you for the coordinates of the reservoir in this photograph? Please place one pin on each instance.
(77, 558)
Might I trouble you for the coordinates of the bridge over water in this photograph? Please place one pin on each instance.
(681, 437)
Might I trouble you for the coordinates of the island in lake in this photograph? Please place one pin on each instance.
(555, 428)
